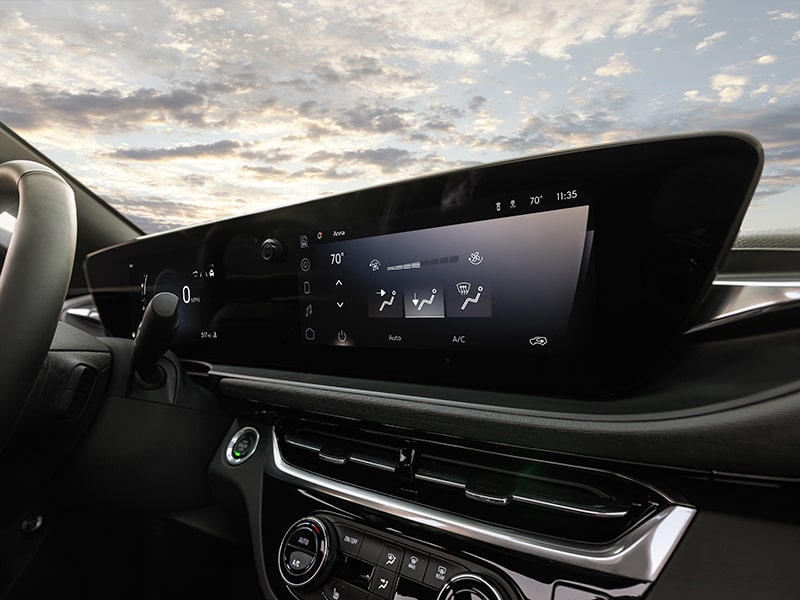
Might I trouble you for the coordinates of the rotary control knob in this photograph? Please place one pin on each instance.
(469, 586)
(272, 250)
(307, 553)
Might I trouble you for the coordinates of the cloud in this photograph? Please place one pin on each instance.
(380, 119)
(270, 155)
(729, 87)
(197, 180)
(518, 29)
(708, 41)
(39, 106)
(476, 103)
(618, 66)
(362, 66)
(220, 148)
(787, 15)
(154, 213)
(695, 96)
(389, 160)
(767, 59)
(275, 173)
(307, 107)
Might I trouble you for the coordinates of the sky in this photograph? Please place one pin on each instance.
(182, 112)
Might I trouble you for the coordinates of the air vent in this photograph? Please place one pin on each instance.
(510, 490)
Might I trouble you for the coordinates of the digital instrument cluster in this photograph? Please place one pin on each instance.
(190, 279)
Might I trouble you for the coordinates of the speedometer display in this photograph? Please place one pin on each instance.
(190, 279)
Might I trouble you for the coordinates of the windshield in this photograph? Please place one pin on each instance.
(178, 112)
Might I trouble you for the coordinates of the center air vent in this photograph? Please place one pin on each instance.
(510, 490)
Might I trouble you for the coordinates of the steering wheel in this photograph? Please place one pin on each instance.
(34, 279)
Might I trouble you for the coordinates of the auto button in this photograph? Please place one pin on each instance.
(305, 539)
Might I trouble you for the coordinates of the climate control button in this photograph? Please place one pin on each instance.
(440, 571)
(299, 562)
(306, 553)
(305, 539)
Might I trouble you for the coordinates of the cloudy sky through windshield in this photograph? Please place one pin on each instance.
(217, 110)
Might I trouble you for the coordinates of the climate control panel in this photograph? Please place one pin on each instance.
(328, 558)
(306, 553)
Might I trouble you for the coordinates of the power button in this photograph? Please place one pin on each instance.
(241, 446)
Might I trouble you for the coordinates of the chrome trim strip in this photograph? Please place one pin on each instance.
(639, 554)
(303, 445)
(487, 498)
(599, 512)
(731, 301)
(438, 480)
(774, 283)
(375, 463)
(332, 459)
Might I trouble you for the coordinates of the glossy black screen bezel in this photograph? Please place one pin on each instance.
(664, 213)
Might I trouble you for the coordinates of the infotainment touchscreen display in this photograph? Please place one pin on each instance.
(506, 283)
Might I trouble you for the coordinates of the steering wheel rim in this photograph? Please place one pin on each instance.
(34, 279)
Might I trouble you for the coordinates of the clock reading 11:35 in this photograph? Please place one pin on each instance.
(567, 195)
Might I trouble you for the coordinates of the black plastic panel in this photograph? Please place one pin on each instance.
(732, 557)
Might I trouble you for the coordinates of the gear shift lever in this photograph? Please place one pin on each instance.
(156, 332)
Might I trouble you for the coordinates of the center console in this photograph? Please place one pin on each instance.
(350, 512)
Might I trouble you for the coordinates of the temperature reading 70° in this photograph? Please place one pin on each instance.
(535, 200)
(336, 258)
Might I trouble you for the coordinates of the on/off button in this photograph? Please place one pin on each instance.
(350, 540)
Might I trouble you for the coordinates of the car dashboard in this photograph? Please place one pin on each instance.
(508, 382)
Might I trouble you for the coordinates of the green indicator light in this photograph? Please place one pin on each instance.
(237, 454)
